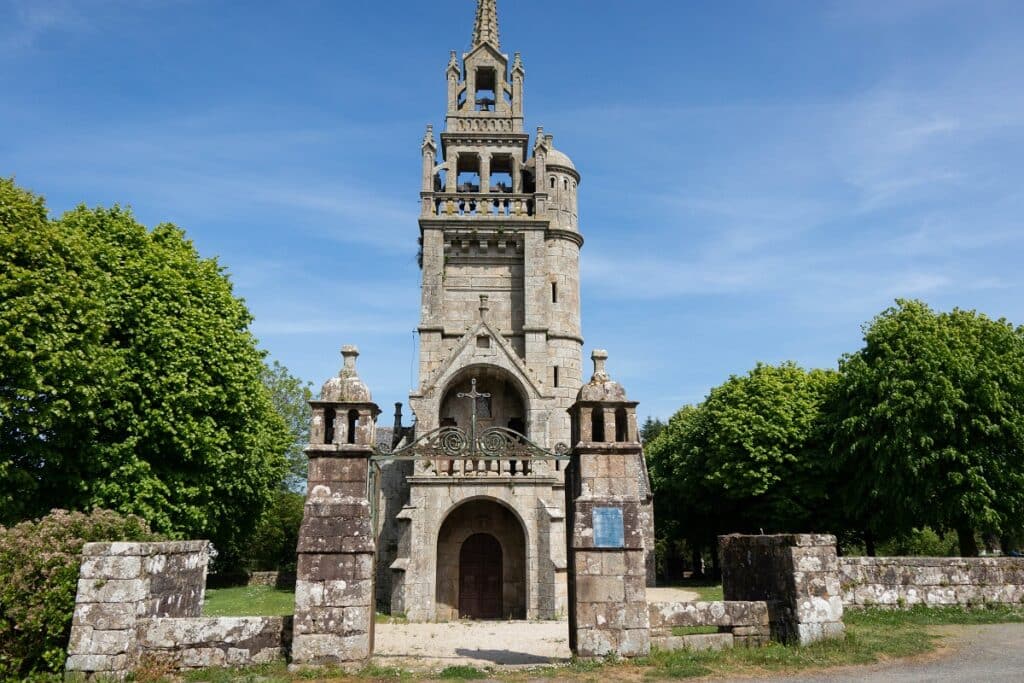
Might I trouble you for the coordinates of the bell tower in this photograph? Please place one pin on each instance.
(499, 223)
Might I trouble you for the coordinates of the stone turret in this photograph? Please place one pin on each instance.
(603, 413)
(334, 595)
(345, 415)
(612, 534)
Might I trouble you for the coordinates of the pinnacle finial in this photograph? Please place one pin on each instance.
(349, 354)
(485, 30)
(600, 357)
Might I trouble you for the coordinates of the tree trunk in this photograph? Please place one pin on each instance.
(869, 543)
(968, 543)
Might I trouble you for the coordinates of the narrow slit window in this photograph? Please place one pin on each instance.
(353, 422)
(329, 425)
(597, 425)
(621, 425)
(552, 182)
(556, 376)
(554, 292)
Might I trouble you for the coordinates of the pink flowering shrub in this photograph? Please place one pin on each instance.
(39, 563)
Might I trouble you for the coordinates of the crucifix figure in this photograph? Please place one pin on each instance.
(473, 395)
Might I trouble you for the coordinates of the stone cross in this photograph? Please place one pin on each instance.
(473, 394)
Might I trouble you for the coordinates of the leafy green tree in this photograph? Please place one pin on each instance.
(273, 543)
(650, 429)
(751, 457)
(291, 397)
(929, 423)
(129, 378)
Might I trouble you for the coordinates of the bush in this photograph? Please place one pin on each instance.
(39, 563)
(923, 542)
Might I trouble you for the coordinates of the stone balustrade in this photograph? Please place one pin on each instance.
(485, 467)
(479, 204)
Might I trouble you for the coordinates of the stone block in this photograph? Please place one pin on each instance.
(104, 616)
(695, 642)
(106, 643)
(112, 590)
(812, 633)
(329, 648)
(110, 567)
(634, 642)
(600, 589)
(314, 620)
(613, 563)
(203, 657)
(96, 663)
(814, 559)
(635, 588)
(819, 610)
(596, 642)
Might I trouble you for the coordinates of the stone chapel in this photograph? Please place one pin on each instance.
(466, 535)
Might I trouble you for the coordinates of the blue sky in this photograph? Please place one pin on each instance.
(760, 178)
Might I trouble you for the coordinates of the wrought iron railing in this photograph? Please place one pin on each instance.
(494, 451)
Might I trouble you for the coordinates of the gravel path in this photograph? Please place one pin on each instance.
(485, 643)
(970, 653)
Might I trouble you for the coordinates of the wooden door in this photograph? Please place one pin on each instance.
(480, 578)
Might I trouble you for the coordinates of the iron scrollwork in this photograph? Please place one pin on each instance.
(493, 442)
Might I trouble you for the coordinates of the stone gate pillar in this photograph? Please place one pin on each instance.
(604, 489)
(334, 589)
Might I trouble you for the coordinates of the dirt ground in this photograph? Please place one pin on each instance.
(485, 643)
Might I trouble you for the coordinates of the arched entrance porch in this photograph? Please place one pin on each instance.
(481, 563)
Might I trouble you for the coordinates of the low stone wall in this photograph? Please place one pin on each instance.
(143, 602)
(213, 641)
(797, 575)
(273, 579)
(933, 581)
(741, 624)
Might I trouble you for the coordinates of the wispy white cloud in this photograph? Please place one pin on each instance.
(27, 21)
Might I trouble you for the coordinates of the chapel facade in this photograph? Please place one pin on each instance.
(501, 353)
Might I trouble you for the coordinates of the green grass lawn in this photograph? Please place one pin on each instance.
(249, 601)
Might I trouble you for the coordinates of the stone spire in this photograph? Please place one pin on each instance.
(485, 30)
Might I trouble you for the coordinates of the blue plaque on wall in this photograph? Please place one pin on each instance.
(608, 531)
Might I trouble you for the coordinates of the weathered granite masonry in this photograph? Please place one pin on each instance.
(141, 602)
(204, 642)
(607, 589)
(740, 624)
(907, 581)
(796, 574)
(334, 588)
(120, 583)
